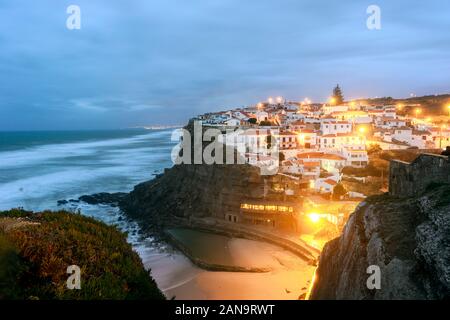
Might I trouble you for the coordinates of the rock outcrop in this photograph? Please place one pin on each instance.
(408, 238)
(193, 190)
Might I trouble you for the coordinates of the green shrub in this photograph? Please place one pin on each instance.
(48, 242)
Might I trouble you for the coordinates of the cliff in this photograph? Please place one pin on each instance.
(192, 190)
(36, 249)
(408, 238)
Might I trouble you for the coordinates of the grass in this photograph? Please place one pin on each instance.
(34, 259)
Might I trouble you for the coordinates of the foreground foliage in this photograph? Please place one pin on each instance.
(37, 248)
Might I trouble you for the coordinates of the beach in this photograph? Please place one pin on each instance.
(179, 278)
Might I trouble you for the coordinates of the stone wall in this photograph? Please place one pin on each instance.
(412, 179)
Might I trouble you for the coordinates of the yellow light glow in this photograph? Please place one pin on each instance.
(362, 129)
(314, 217)
(399, 106)
(418, 111)
(332, 100)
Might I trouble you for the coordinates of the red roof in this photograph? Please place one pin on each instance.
(311, 164)
(331, 182)
(308, 155)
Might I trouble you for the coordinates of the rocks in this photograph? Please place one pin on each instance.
(103, 198)
(409, 239)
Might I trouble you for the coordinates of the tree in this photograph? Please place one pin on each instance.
(337, 95)
(339, 191)
(252, 120)
(265, 123)
(374, 148)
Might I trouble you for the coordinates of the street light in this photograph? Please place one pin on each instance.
(332, 100)
(448, 108)
(418, 111)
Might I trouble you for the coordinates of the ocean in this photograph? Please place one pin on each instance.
(39, 168)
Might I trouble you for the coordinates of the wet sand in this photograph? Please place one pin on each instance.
(177, 277)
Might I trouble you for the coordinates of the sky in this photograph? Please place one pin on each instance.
(149, 62)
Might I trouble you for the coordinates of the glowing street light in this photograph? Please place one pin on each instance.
(400, 106)
(332, 100)
(362, 130)
(448, 108)
(314, 217)
(418, 111)
(259, 105)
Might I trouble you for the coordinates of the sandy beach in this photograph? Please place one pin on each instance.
(177, 277)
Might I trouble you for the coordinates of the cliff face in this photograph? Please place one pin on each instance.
(193, 190)
(409, 239)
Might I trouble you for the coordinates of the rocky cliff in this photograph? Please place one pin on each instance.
(409, 239)
(193, 190)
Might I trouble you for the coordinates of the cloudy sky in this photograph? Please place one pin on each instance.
(143, 62)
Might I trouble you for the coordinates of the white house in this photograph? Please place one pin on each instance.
(328, 109)
(389, 123)
(335, 127)
(325, 185)
(341, 140)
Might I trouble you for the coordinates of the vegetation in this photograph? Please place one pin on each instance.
(433, 105)
(374, 148)
(339, 191)
(37, 248)
(265, 123)
(252, 120)
(338, 96)
(372, 169)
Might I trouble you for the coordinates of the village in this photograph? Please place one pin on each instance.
(327, 155)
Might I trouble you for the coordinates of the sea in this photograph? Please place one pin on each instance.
(39, 168)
